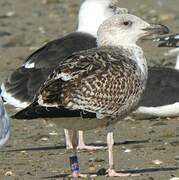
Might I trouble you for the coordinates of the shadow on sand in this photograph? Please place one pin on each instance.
(102, 172)
(46, 148)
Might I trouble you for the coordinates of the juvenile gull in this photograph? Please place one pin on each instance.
(4, 124)
(20, 87)
(163, 83)
(97, 87)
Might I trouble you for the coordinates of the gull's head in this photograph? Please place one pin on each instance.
(126, 29)
(93, 12)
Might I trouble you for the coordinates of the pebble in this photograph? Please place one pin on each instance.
(50, 124)
(49, 1)
(4, 33)
(166, 17)
(24, 152)
(92, 167)
(33, 48)
(9, 173)
(42, 30)
(127, 151)
(10, 14)
(53, 133)
(41, 138)
(44, 139)
(157, 162)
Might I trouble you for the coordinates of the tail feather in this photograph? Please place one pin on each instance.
(22, 85)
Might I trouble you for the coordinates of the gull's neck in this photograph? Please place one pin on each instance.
(136, 53)
(132, 50)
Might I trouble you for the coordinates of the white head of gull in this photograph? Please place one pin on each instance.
(93, 12)
(100, 86)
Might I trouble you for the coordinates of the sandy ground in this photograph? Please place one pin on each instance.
(36, 150)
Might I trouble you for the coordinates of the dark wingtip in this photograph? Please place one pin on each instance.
(27, 113)
(171, 40)
(19, 115)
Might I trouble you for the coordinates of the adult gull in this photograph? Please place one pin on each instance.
(21, 86)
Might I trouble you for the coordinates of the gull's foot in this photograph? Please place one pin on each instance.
(78, 175)
(85, 147)
(113, 173)
(68, 147)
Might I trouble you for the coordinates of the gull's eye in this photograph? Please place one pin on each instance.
(127, 23)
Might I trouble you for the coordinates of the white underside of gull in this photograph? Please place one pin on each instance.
(170, 110)
(4, 125)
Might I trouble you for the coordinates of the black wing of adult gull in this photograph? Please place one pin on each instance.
(49, 55)
(4, 124)
(107, 81)
(163, 83)
(20, 87)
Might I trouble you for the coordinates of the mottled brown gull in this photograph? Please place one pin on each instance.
(97, 87)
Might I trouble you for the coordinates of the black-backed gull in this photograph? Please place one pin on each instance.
(4, 124)
(161, 97)
(19, 89)
(97, 87)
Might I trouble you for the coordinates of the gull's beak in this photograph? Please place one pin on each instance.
(156, 29)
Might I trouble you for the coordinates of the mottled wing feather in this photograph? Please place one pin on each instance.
(99, 80)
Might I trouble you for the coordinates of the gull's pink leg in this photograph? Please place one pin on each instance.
(73, 158)
(111, 171)
(67, 139)
(82, 146)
